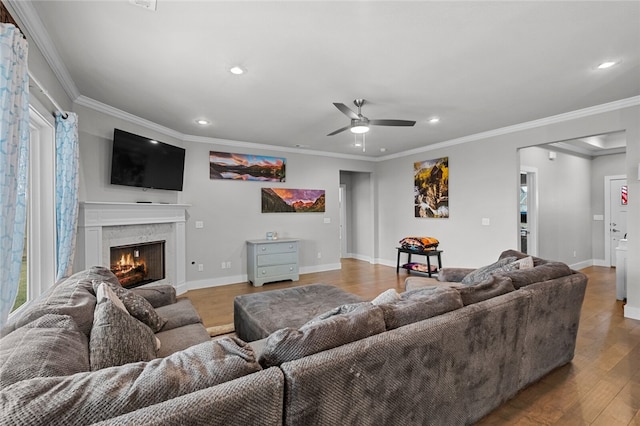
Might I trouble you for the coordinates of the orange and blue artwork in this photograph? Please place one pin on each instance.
(228, 165)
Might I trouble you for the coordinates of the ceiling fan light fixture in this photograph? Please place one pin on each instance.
(359, 128)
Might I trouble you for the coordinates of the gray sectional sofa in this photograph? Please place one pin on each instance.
(439, 353)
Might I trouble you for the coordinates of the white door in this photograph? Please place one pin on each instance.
(528, 210)
(618, 220)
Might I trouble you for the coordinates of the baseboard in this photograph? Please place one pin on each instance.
(600, 262)
(361, 257)
(581, 265)
(235, 279)
(631, 312)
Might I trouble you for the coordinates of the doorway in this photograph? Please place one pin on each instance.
(615, 201)
(528, 211)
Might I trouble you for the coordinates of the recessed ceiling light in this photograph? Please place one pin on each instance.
(606, 65)
(434, 120)
(383, 149)
(202, 122)
(237, 70)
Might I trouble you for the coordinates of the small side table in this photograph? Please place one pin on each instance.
(427, 253)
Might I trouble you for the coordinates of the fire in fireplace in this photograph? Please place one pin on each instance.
(138, 264)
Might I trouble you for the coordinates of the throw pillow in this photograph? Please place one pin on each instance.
(104, 292)
(117, 338)
(137, 306)
(90, 397)
(388, 296)
(52, 345)
(289, 344)
(525, 263)
(481, 274)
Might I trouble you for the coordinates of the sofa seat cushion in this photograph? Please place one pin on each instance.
(257, 315)
(179, 314)
(491, 287)
(288, 344)
(420, 304)
(50, 346)
(543, 272)
(90, 397)
(73, 296)
(177, 339)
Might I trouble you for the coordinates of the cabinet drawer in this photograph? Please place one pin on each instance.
(276, 270)
(284, 247)
(277, 259)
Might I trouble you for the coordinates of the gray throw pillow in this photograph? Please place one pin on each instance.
(90, 397)
(137, 306)
(289, 344)
(117, 338)
(481, 274)
(52, 345)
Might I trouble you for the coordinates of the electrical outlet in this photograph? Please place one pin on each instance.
(200, 267)
(575, 254)
(319, 255)
(228, 265)
(223, 265)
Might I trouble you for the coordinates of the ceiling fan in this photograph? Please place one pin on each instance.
(360, 123)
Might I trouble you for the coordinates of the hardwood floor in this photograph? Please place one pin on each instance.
(601, 386)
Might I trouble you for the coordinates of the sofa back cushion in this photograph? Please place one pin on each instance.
(318, 335)
(482, 274)
(51, 345)
(543, 272)
(73, 296)
(491, 287)
(420, 304)
(86, 398)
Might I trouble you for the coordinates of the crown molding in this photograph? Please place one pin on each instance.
(134, 119)
(34, 26)
(567, 116)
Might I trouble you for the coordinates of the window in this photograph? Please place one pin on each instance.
(38, 269)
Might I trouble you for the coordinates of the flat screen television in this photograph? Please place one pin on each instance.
(146, 163)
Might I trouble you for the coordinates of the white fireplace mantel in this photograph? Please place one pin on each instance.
(95, 216)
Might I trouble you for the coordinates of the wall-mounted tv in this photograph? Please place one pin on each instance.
(145, 162)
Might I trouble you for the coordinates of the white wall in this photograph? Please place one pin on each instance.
(230, 210)
(564, 205)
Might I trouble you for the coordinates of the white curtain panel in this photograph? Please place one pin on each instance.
(67, 172)
(14, 161)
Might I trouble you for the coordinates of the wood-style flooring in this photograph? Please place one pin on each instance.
(601, 386)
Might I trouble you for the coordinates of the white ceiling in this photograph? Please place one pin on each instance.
(477, 65)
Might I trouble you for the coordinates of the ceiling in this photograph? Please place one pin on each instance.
(478, 65)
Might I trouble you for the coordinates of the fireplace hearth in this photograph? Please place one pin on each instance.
(138, 264)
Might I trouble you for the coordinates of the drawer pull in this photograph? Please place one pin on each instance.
(264, 272)
(264, 248)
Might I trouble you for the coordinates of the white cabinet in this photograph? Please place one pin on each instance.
(272, 260)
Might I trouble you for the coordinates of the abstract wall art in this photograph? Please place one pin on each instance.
(431, 188)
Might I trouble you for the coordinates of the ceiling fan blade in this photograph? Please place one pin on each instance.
(346, 111)
(392, 122)
(338, 131)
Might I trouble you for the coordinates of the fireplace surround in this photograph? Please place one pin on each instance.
(103, 225)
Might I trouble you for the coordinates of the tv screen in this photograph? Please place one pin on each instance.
(146, 163)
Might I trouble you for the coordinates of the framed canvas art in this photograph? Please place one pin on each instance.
(431, 188)
(227, 165)
(283, 200)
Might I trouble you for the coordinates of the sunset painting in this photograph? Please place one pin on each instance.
(227, 165)
(282, 200)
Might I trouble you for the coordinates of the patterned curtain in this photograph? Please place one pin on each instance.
(67, 168)
(14, 161)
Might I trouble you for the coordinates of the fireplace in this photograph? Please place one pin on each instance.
(138, 264)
